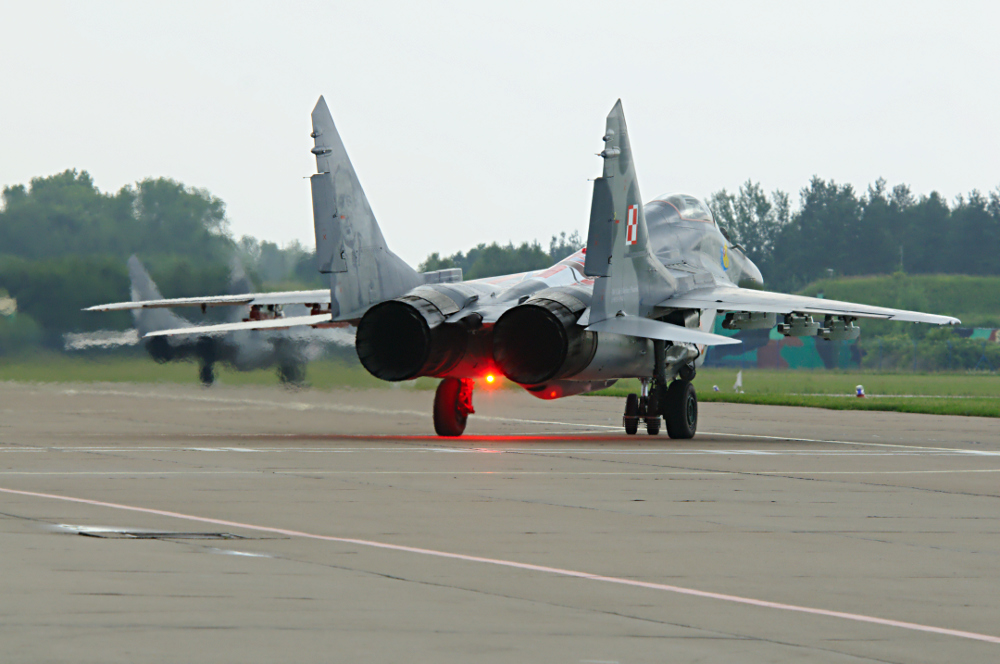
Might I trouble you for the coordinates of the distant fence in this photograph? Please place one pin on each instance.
(975, 349)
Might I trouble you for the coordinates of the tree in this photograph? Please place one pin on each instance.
(751, 219)
(823, 235)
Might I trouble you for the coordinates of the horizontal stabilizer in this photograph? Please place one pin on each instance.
(262, 299)
(269, 324)
(647, 328)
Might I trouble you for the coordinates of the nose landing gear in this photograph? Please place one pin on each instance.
(452, 406)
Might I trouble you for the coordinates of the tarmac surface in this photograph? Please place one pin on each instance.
(149, 523)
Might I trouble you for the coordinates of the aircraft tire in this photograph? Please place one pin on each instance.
(681, 410)
(206, 373)
(449, 419)
(631, 419)
(292, 373)
(653, 425)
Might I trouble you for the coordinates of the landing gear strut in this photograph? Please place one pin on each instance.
(452, 406)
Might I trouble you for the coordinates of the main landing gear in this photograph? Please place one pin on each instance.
(452, 406)
(642, 407)
(207, 352)
(677, 403)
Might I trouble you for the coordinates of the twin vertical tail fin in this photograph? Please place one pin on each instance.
(349, 242)
(618, 250)
(143, 289)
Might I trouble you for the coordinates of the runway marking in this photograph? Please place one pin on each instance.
(851, 442)
(500, 473)
(855, 617)
(901, 450)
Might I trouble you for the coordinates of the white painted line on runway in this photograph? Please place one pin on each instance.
(227, 552)
(736, 599)
(900, 451)
(498, 473)
(793, 439)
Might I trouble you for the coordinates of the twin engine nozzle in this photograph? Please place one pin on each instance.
(532, 343)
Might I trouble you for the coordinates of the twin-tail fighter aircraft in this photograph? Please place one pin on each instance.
(637, 302)
(286, 350)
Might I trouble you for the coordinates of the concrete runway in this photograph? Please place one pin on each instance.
(181, 524)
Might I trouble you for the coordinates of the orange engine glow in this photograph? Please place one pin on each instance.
(490, 378)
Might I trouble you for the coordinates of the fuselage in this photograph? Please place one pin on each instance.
(454, 322)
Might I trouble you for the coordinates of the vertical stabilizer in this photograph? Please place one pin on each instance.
(144, 288)
(629, 278)
(349, 242)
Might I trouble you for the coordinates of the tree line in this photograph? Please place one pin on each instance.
(838, 232)
(490, 260)
(64, 243)
(64, 246)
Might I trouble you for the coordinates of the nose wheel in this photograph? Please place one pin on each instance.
(452, 406)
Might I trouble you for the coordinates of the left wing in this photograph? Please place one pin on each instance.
(321, 296)
(268, 324)
(731, 298)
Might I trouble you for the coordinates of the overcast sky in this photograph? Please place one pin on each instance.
(473, 122)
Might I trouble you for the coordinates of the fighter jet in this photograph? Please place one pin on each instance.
(637, 302)
(241, 350)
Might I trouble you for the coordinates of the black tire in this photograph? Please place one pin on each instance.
(292, 373)
(653, 425)
(632, 414)
(681, 410)
(449, 419)
(206, 373)
(688, 372)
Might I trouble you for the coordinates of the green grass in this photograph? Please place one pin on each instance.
(939, 393)
(58, 368)
(976, 407)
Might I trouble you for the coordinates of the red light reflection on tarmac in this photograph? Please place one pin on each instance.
(423, 438)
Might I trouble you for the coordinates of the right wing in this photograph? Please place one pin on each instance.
(320, 297)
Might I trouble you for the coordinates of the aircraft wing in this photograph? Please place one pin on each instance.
(321, 296)
(723, 298)
(269, 324)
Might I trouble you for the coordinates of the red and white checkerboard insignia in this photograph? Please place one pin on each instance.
(632, 225)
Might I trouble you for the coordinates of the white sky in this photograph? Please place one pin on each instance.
(471, 122)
